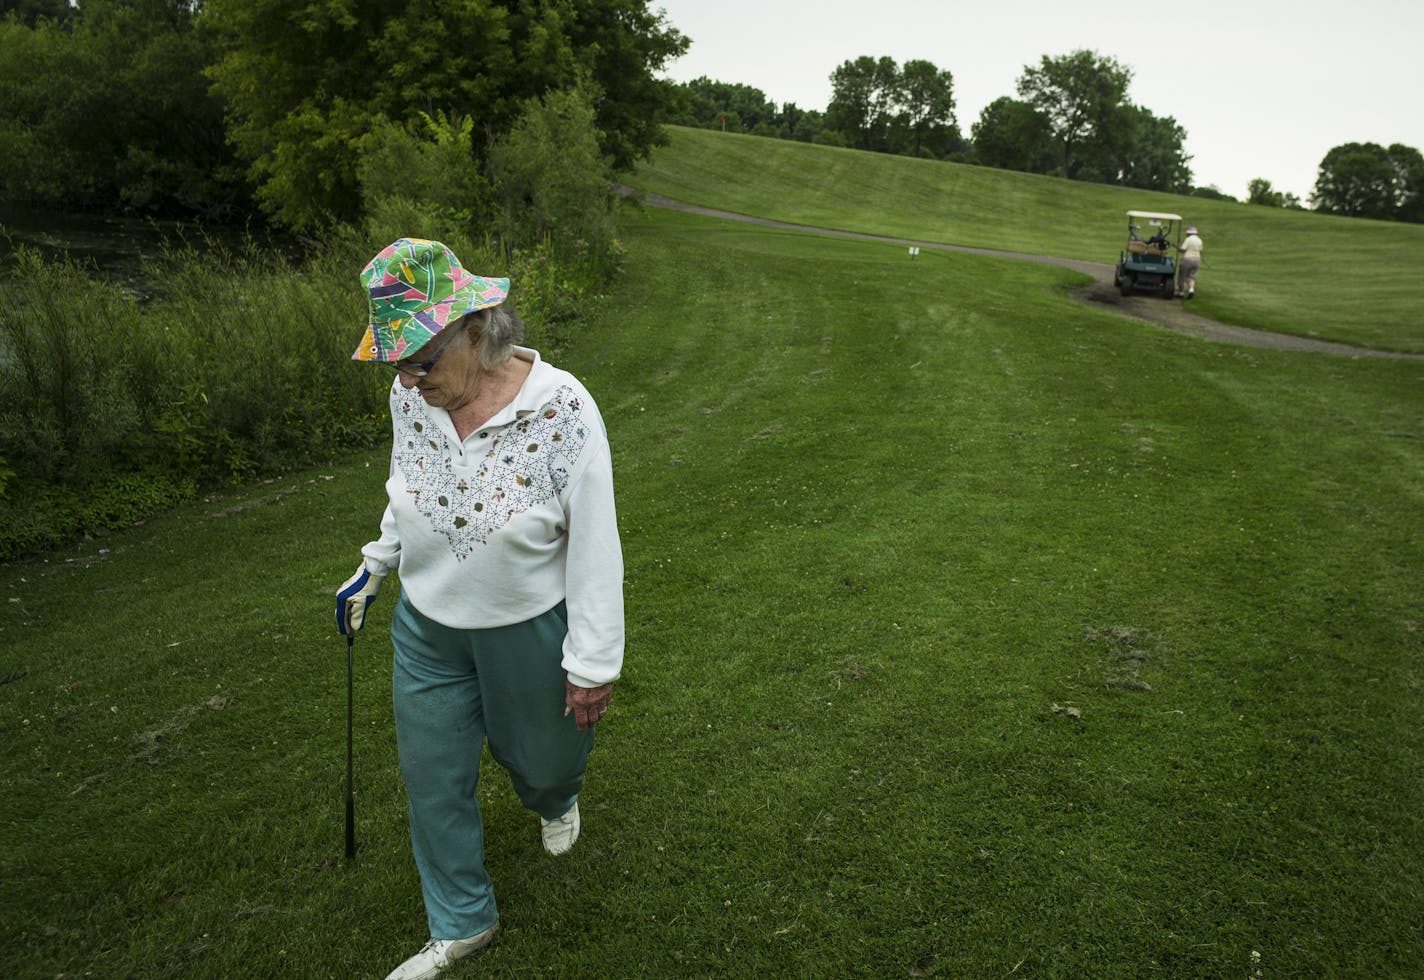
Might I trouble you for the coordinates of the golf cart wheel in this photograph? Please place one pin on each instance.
(1167, 291)
(1124, 284)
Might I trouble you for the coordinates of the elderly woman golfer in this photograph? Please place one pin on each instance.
(1187, 268)
(509, 626)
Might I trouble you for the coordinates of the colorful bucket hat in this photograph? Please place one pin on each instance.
(415, 288)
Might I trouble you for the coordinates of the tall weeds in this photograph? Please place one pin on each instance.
(238, 367)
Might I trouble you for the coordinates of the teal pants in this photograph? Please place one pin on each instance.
(454, 689)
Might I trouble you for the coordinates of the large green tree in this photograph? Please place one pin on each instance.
(878, 105)
(107, 107)
(306, 80)
(1408, 182)
(1151, 155)
(1083, 95)
(1013, 135)
(926, 110)
(1361, 180)
(863, 95)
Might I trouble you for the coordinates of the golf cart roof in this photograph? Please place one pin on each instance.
(1154, 214)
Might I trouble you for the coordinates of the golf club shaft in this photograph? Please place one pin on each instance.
(350, 710)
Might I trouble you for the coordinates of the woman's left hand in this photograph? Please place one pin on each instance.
(588, 705)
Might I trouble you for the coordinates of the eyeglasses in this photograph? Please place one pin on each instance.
(419, 369)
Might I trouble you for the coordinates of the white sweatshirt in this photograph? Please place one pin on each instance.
(502, 527)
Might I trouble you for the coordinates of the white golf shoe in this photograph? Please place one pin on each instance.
(437, 954)
(560, 833)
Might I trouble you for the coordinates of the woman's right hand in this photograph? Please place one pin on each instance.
(355, 594)
(588, 705)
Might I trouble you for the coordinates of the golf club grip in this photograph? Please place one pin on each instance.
(350, 712)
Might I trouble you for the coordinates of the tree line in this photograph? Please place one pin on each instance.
(1072, 117)
(495, 126)
(315, 110)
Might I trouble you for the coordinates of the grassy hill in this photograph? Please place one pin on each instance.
(972, 632)
(1343, 279)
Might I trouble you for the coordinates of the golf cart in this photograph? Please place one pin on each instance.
(1149, 261)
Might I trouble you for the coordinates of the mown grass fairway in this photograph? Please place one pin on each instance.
(972, 632)
(1342, 279)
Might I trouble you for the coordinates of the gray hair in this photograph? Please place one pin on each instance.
(494, 330)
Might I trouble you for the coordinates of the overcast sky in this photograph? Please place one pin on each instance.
(1263, 88)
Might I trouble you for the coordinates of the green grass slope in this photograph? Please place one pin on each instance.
(1349, 280)
(971, 632)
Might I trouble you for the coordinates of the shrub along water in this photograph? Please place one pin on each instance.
(237, 368)
(231, 371)
(238, 364)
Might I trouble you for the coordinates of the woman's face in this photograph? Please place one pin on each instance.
(453, 375)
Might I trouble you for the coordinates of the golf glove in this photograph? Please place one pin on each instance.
(355, 594)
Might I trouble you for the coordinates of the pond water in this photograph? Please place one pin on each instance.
(115, 245)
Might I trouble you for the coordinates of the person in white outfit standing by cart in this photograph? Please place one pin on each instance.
(1187, 266)
(501, 522)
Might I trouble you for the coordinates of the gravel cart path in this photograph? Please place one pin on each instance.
(1172, 315)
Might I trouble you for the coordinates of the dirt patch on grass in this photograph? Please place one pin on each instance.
(1174, 315)
(1127, 650)
(153, 743)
